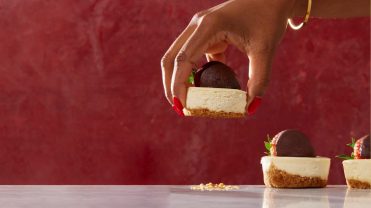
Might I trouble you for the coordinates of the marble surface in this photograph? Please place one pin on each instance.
(81, 99)
(179, 196)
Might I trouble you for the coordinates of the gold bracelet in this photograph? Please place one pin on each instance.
(306, 18)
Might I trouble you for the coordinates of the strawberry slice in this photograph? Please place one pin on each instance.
(357, 150)
(361, 148)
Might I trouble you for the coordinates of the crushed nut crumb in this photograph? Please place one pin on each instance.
(214, 187)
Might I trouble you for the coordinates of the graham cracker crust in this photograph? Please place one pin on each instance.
(201, 112)
(356, 184)
(277, 178)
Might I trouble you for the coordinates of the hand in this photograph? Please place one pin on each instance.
(255, 27)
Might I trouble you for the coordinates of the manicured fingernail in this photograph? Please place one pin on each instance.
(180, 113)
(254, 105)
(178, 107)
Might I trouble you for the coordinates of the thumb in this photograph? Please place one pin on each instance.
(259, 72)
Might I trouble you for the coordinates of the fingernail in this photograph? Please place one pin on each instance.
(180, 113)
(254, 105)
(178, 107)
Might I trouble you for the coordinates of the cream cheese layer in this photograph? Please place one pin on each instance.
(216, 99)
(358, 170)
(302, 166)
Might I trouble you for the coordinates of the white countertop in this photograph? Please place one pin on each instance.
(179, 196)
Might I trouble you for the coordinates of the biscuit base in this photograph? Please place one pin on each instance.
(277, 178)
(357, 184)
(202, 112)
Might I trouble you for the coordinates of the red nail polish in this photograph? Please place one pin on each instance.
(254, 105)
(178, 107)
(180, 113)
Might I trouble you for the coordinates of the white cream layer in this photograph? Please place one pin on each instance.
(358, 170)
(303, 166)
(216, 99)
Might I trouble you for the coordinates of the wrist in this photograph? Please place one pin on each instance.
(299, 9)
(332, 8)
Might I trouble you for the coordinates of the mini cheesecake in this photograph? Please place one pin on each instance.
(292, 162)
(295, 172)
(215, 102)
(357, 167)
(358, 173)
(216, 93)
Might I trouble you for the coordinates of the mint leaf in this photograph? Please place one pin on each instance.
(352, 144)
(345, 157)
(191, 78)
(268, 145)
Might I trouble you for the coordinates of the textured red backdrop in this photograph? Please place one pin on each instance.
(81, 99)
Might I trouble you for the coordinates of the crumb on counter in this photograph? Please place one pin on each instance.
(214, 187)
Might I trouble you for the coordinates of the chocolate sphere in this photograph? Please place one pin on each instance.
(293, 143)
(365, 147)
(217, 75)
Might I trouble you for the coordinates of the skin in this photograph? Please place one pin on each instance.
(255, 27)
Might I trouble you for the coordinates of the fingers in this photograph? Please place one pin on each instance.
(167, 61)
(191, 52)
(259, 72)
(219, 47)
(216, 57)
(217, 52)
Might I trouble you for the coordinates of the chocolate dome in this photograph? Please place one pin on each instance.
(293, 143)
(217, 75)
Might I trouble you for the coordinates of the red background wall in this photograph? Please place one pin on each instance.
(81, 99)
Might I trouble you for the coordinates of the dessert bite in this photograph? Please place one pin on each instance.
(357, 166)
(216, 93)
(291, 162)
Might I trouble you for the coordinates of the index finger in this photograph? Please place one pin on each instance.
(192, 51)
(167, 61)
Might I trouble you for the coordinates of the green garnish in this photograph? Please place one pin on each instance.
(268, 145)
(347, 157)
(352, 144)
(191, 78)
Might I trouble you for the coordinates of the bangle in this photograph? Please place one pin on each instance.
(306, 18)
